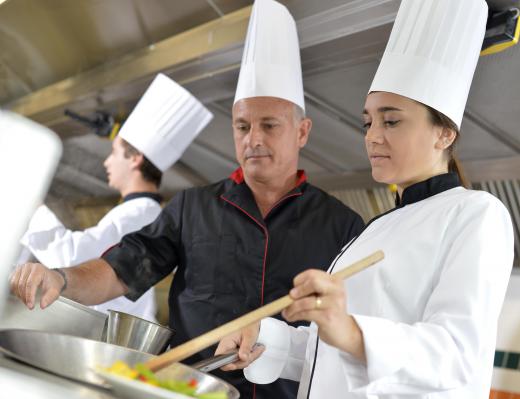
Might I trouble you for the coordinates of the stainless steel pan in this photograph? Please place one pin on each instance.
(78, 358)
(63, 317)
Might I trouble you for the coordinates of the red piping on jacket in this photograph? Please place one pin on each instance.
(266, 233)
(238, 177)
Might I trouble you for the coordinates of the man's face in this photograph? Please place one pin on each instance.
(118, 167)
(268, 136)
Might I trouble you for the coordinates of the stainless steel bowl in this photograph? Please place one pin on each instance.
(133, 332)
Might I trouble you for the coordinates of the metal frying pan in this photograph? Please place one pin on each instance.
(78, 358)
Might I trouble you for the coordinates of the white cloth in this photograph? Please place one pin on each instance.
(428, 311)
(56, 246)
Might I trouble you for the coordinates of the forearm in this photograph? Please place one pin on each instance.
(92, 283)
(352, 342)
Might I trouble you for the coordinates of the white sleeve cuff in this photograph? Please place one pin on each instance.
(275, 336)
(384, 345)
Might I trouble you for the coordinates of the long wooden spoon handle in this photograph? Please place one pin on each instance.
(204, 341)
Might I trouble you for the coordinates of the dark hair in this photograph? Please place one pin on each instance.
(149, 171)
(454, 165)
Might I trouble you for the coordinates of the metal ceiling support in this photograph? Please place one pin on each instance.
(109, 81)
(221, 108)
(502, 136)
(216, 165)
(215, 7)
(192, 55)
(476, 171)
(325, 162)
(140, 21)
(190, 174)
(83, 181)
(10, 71)
(344, 20)
(333, 111)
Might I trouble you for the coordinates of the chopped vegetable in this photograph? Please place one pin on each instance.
(142, 373)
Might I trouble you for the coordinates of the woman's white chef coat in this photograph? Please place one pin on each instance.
(56, 246)
(428, 311)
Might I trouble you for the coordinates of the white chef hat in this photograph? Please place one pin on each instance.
(271, 64)
(432, 53)
(164, 122)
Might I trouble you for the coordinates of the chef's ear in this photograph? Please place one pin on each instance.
(446, 138)
(137, 160)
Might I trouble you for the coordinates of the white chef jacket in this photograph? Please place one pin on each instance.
(56, 246)
(428, 311)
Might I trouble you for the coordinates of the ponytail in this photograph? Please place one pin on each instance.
(454, 165)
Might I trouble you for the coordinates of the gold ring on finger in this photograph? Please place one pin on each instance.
(318, 302)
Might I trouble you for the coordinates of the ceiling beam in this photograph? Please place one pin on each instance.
(494, 131)
(331, 110)
(216, 8)
(343, 20)
(110, 82)
(200, 53)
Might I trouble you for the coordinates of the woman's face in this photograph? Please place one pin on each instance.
(403, 146)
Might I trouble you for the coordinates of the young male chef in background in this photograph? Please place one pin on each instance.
(155, 135)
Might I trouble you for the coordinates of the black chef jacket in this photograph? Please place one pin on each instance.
(230, 260)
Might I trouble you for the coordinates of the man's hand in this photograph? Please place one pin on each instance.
(244, 340)
(28, 278)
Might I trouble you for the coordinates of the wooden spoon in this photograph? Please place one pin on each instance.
(204, 341)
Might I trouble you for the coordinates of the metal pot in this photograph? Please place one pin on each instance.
(78, 358)
(135, 333)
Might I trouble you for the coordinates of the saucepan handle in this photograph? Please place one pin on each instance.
(216, 362)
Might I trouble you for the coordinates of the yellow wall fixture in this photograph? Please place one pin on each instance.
(502, 31)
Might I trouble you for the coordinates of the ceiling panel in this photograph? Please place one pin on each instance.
(476, 143)
(339, 145)
(495, 95)
(218, 135)
(45, 41)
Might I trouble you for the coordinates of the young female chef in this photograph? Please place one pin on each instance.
(422, 322)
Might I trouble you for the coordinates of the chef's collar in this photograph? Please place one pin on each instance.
(155, 196)
(238, 176)
(427, 188)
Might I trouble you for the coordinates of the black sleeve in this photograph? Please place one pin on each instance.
(145, 257)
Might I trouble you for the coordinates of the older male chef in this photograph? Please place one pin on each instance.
(157, 132)
(238, 243)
